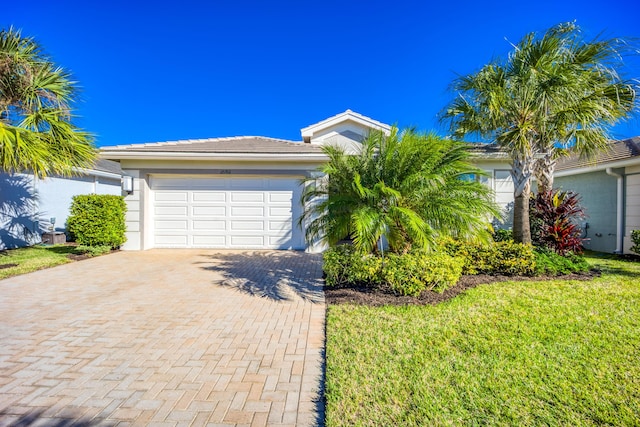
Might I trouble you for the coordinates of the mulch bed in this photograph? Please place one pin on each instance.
(7, 266)
(377, 297)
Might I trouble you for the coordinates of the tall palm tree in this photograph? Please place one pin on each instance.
(410, 188)
(36, 129)
(553, 94)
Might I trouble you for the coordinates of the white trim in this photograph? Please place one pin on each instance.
(163, 155)
(94, 172)
(348, 115)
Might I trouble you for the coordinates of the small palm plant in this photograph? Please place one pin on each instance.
(409, 189)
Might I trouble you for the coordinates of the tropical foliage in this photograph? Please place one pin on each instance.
(411, 188)
(554, 93)
(36, 129)
(556, 215)
(635, 239)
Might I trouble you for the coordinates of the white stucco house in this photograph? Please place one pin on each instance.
(241, 192)
(28, 204)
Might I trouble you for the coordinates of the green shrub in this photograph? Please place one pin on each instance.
(505, 257)
(635, 238)
(413, 273)
(344, 266)
(502, 235)
(549, 262)
(91, 251)
(97, 220)
(408, 274)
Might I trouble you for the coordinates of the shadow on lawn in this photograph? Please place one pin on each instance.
(276, 275)
(40, 419)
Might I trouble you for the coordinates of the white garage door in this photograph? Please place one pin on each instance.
(230, 212)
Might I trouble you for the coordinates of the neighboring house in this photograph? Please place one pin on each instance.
(609, 186)
(241, 192)
(28, 204)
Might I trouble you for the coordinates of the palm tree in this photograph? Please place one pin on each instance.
(411, 189)
(36, 132)
(554, 94)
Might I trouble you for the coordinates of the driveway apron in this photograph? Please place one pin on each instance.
(165, 338)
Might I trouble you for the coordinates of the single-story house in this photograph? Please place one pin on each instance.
(30, 206)
(242, 192)
(609, 186)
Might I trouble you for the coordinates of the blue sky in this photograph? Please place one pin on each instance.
(157, 71)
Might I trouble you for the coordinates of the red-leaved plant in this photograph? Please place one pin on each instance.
(554, 217)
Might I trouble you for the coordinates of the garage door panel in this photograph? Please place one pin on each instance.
(279, 242)
(247, 197)
(211, 196)
(171, 196)
(279, 225)
(207, 240)
(247, 241)
(170, 210)
(208, 211)
(279, 211)
(171, 240)
(243, 211)
(209, 225)
(178, 225)
(247, 226)
(280, 197)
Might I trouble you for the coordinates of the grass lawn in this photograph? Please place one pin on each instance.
(513, 353)
(32, 259)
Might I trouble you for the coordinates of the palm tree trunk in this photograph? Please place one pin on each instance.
(521, 172)
(544, 169)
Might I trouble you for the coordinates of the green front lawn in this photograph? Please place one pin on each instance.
(511, 353)
(32, 259)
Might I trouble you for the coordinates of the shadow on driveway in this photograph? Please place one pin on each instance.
(40, 419)
(276, 275)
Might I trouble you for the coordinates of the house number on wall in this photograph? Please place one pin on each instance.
(225, 171)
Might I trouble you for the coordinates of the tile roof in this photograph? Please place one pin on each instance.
(238, 144)
(109, 166)
(618, 150)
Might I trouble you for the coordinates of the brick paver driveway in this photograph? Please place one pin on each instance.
(165, 337)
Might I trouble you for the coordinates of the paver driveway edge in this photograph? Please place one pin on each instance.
(165, 337)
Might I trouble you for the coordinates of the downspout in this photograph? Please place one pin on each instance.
(619, 210)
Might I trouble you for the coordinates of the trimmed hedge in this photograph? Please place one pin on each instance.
(413, 273)
(97, 220)
(408, 274)
(549, 262)
(343, 266)
(505, 257)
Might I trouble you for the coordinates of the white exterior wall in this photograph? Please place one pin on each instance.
(28, 204)
(632, 208)
(55, 195)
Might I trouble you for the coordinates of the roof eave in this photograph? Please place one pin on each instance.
(599, 166)
(251, 157)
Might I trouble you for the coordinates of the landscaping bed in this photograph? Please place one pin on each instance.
(363, 295)
(521, 351)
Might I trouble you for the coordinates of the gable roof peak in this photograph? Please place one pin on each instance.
(346, 116)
